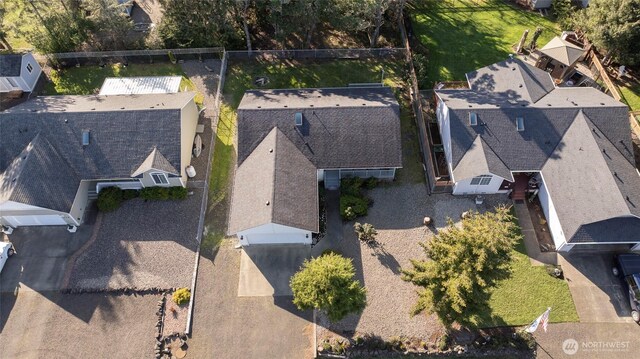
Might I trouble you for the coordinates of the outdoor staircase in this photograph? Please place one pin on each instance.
(92, 195)
(520, 187)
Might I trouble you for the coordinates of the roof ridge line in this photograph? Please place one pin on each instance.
(589, 122)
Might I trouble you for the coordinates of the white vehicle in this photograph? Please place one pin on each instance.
(6, 251)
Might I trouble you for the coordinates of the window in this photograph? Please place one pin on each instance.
(520, 123)
(473, 119)
(481, 180)
(29, 68)
(159, 178)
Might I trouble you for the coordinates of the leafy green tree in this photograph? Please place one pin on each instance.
(465, 263)
(59, 29)
(564, 11)
(202, 23)
(327, 283)
(613, 26)
(108, 24)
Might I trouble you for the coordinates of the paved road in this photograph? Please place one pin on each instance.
(228, 326)
(589, 340)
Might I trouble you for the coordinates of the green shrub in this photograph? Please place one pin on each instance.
(109, 199)
(359, 206)
(351, 186)
(330, 251)
(163, 193)
(181, 296)
(130, 194)
(443, 343)
(371, 183)
(365, 232)
(177, 192)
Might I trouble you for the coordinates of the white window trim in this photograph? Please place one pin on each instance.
(153, 174)
(482, 180)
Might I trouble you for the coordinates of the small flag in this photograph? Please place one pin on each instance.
(542, 319)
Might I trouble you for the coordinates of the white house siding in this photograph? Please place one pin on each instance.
(272, 233)
(29, 79)
(552, 218)
(464, 186)
(17, 214)
(380, 173)
(80, 202)
(147, 180)
(189, 122)
(442, 112)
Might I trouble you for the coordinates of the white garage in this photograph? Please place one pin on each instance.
(268, 206)
(273, 233)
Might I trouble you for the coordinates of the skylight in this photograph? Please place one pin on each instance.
(520, 123)
(473, 119)
(85, 138)
(298, 118)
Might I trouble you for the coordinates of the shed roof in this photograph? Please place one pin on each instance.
(10, 65)
(140, 85)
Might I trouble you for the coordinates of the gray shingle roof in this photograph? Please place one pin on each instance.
(155, 161)
(589, 186)
(34, 178)
(342, 128)
(513, 79)
(123, 131)
(10, 65)
(562, 50)
(478, 160)
(278, 174)
(578, 138)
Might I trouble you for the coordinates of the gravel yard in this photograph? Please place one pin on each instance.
(142, 245)
(397, 214)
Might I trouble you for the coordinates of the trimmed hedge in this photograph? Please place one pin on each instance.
(352, 207)
(163, 193)
(109, 199)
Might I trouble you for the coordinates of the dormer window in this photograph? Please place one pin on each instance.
(520, 123)
(473, 119)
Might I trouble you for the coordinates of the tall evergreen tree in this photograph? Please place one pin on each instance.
(464, 264)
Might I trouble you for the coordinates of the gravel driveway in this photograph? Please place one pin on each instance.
(397, 214)
(55, 326)
(142, 245)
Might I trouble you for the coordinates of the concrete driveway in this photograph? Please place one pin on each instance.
(41, 257)
(265, 270)
(596, 292)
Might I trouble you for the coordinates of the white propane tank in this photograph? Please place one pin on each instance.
(191, 172)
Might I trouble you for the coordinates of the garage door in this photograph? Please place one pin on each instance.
(272, 238)
(35, 220)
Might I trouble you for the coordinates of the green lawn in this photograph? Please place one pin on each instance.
(18, 20)
(521, 298)
(631, 96)
(86, 80)
(463, 35)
